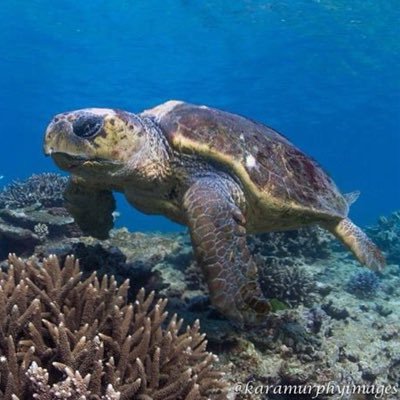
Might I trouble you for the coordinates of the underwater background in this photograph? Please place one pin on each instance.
(325, 73)
(132, 316)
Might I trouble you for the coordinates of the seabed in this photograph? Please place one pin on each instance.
(337, 326)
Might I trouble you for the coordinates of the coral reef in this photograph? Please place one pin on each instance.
(363, 283)
(145, 259)
(386, 234)
(44, 189)
(63, 337)
(291, 284)
(332, 330)
(165, 263)
(32, 212)
(305, 244)
(23, 229)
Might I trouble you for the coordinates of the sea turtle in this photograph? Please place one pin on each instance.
(220, 174)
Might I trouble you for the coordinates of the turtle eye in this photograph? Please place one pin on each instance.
(87, 126)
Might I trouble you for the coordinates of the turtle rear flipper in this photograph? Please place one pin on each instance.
(358, 243)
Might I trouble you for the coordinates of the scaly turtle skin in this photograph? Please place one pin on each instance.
(220, 174)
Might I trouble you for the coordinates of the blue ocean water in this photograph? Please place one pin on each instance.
(323, 72)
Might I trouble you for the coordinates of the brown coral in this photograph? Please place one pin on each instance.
(63, 337)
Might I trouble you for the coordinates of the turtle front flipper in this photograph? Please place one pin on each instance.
(92, 209)
(218, 235)
(366, 252)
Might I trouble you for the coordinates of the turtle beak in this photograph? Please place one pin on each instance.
(58, 135)
(61, 139)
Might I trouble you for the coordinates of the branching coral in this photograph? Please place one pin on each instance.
(363, 283)
(288, 283)
(66, 338)
(45, 190)
(42, 230)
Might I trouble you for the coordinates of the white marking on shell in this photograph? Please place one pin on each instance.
(241, 137)
(101, 111)
(159, 111)
(250, 161)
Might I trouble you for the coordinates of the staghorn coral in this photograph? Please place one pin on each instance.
(74, 386)
(45, 190)
(62, 337)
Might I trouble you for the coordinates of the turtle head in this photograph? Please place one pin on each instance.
(94, 142)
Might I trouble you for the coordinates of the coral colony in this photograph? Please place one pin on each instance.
(43, 190)
(64, 337)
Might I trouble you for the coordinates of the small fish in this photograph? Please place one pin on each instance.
(278, 305)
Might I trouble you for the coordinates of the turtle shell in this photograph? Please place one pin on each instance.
(270, 168)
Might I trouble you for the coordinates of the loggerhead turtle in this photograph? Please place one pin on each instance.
(220, 174)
